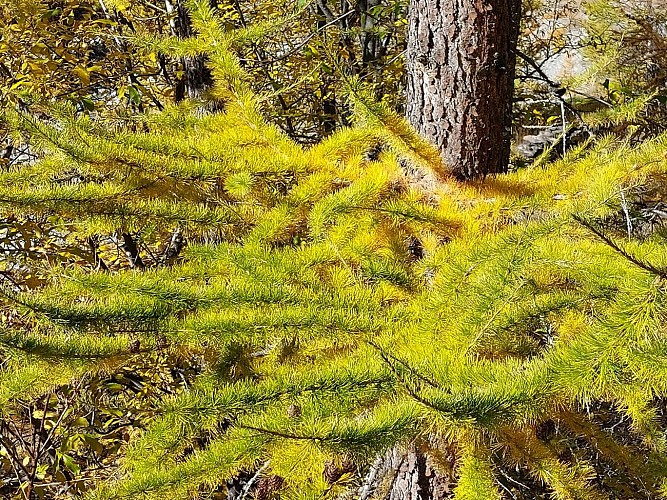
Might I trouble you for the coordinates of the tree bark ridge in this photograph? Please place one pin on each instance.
(461, 64)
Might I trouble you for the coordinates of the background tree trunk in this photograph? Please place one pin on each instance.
(196, 75)
(460, 69)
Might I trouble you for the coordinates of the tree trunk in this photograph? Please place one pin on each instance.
(403, 475)
(196, 75)
(460, 65)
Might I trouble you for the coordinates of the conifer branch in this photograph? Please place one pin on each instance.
(413, 371)
(622, 455)
(45, 351)
(646, 266)
(412, 393)
(280, 434)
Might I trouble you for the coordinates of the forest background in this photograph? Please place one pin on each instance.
(590, 92)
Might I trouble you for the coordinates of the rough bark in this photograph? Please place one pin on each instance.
(397, 474)
(460, 66)
(196, 75)
(404, 475)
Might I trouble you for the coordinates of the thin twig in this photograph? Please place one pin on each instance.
(280, 434)
(564, 119)
(253, 479)
(400, 379)
(626, 212)
(421, 377)
(662, 273)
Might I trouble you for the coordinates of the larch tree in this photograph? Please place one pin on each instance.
(460, 69)
(338, 308)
